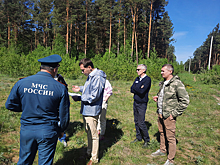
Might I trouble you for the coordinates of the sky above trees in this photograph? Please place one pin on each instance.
(192, 20)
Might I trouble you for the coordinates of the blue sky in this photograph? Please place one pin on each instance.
(192, 20)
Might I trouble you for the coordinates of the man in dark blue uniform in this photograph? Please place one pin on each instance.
(43, 102)
(140, 88)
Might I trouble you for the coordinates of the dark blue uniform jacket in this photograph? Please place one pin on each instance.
(141, 89)
(41, 99)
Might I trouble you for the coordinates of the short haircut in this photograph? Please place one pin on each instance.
(46, 68)
(86, 62)
(143, 66)
(169, 67)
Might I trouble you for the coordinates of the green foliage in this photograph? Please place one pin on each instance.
(199, 160)
(45, 22)
(30, 61)
(11, 63)
(59, 45)
(216, 69)
(69, 67)
(116, 68)
(154, 65)
(210, 76)
(8, 120)
(178, 68)
(120, 67)
(3, 158)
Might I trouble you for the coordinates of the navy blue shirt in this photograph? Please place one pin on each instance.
(41, 99)
(141, 89)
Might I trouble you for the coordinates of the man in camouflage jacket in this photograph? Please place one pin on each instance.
(172, 99)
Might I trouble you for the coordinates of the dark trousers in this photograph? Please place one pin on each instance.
(139, 120)
(42, 138)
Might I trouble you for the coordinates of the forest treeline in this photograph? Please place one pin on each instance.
(120, 67)
(89, 27)
(116, 34)
(200, 61)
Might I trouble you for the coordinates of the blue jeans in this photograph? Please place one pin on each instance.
(42, 138)
(139, 120)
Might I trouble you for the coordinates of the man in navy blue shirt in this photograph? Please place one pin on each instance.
(43, 102)
(140, 88)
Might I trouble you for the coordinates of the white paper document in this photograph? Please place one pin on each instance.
(74, 94)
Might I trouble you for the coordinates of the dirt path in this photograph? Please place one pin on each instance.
(217, 98)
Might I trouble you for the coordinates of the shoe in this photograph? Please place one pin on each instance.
(145, 145)
(168, 162)
(135, 140)
(90, 162)
(64, 143)
(101, 137)
(158, 153)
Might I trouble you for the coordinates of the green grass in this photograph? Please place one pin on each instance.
(198, 129)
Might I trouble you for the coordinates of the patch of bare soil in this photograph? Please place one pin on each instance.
(15, 159)
(126, 151)
(218, 98)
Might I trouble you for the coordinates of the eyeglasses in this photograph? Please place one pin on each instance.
(138, 69)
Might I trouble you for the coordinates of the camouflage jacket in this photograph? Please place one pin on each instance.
(175, 99)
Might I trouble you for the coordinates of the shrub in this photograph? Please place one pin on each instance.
(120, 67)
(210, 76)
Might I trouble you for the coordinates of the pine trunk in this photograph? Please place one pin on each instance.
(35, 38)
(124, 32)
(148, 47)
(71, 28)
(136, 47)
(67, 27)
(217, 61)
(31, 45)
(44, 39)
(132, 41)
(119, 21)
(86, 28)
(136, 36)
(9, 29)
(16, 32)
(78, 34)
(144, 37)
(118, 36)
(110, 35)
(75, 32)
(46, 35)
